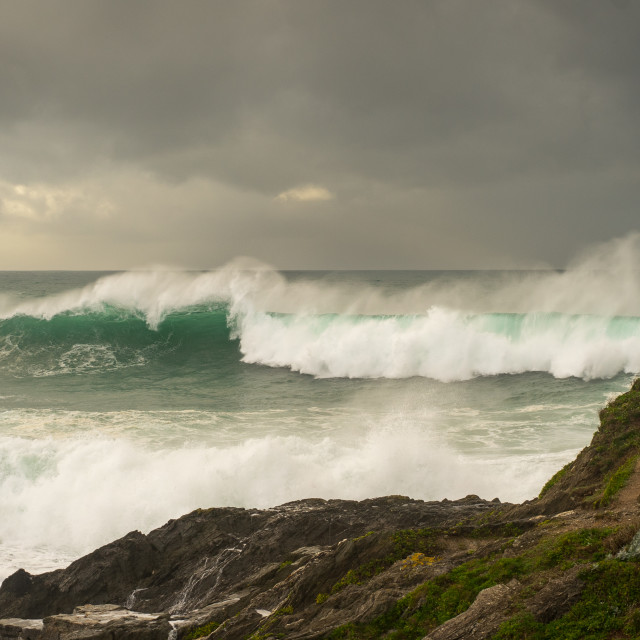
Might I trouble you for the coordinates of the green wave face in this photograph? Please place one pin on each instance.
(516, 326)
(95, 342)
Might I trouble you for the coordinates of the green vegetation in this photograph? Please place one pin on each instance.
(362, 573)
(365, 535)
(609, 607)
(618, 443)
(600, 471)
(615, 420)
(396, 546)
(554, 479)
(617, 480)
(448, 595)
(434, 602)
(264, 632)
(408, 541)
(201, 632)
(285, 564)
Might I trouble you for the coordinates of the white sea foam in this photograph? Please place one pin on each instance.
(443, 344)
(70, 495)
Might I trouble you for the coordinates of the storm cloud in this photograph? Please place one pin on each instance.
(331, 134)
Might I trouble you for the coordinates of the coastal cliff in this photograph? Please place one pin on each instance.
(563, 565)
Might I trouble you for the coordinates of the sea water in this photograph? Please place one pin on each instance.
(130, 398)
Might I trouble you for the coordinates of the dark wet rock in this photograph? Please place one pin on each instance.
(101, 577)
(90, 622)
(17, 628)
(207, 555)
(105, 622)
(19, 583)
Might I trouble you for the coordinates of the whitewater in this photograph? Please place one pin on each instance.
(129, 398)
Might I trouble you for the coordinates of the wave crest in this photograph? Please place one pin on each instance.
(443, 344)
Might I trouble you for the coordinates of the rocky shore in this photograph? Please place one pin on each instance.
(562, 565)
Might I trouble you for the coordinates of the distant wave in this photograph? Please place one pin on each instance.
(442, 344)
(583, 323)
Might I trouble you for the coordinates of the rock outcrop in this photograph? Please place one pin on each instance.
(451, 569)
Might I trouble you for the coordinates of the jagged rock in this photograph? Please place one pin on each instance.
(105, 622)
(207, 555)
(632, 550)
(557, 596)
(90, 622)
(15, 628)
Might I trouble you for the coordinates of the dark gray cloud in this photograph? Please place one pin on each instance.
(449, 133)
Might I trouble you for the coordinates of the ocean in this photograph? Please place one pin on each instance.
(129, 398)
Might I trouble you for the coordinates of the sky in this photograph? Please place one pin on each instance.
(316, 134)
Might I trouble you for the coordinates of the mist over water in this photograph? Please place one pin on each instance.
(130, 398)
(604, 282)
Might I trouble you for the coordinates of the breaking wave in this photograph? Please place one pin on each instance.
(316, 328)
(443, 344)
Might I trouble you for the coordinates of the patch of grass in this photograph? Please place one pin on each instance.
(608, 607)
(521, 627)
(554, 479)
(511, 530)
(434, 602)
(364, 535)
(321, 598)
(450, 594)
(617, 480)
(264, 631)
(362, 573)
(400, 544)
(285, 564)
(201, 632)
(408, 541)
(566, 549)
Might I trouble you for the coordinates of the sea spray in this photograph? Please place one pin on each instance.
(605, 282)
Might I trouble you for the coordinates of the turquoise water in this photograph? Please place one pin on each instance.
(130, 398)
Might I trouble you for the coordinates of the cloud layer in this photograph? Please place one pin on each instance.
(442, 134)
